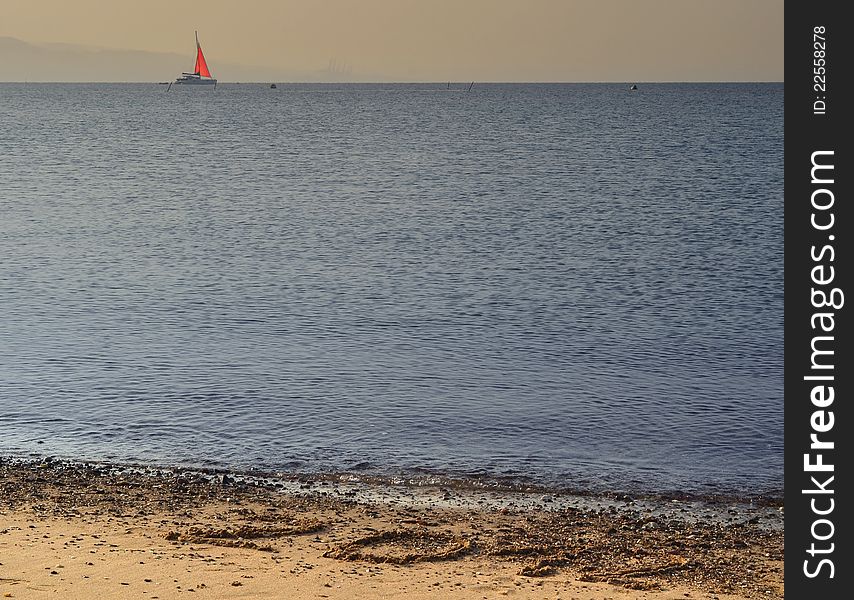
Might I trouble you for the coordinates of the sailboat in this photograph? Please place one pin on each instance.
(201, 75)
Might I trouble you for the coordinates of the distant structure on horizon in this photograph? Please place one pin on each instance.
(337, 70)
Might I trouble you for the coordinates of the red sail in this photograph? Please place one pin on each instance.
(201, 65)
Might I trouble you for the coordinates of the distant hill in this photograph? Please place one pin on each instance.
(25, 61)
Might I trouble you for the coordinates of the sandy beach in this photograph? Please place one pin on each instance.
(99, 531)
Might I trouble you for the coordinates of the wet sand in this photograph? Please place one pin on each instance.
(100, 531)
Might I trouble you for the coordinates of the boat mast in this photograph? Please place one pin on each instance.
(198, 51)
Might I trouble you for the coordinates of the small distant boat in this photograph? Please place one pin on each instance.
(634, 87)
(201, 75)
(272, 86)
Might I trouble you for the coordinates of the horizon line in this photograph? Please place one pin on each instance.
(425, 82)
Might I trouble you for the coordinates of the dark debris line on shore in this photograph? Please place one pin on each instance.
(621, 547)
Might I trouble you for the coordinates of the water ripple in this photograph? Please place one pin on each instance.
(563, 282)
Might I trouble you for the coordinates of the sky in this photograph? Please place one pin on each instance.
(411, 40)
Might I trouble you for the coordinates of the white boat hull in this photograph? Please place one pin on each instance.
(191, 79)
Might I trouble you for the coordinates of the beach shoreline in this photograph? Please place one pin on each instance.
(123, 531)
(466, 483)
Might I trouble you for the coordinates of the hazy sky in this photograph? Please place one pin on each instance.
(434, 40)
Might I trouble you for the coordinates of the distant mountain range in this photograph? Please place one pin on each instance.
(24, 61)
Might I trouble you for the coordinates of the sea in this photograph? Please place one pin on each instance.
(573, 286)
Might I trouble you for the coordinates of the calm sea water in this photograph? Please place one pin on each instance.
(574, 284)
